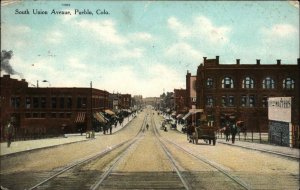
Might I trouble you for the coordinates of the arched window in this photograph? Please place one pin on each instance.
(268, 83)
(227, 82)
(209, 83)
(288, 83)
(248, 83)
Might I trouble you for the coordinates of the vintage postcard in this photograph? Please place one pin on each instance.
(149, 94)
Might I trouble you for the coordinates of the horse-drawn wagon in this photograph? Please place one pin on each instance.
(201, 130)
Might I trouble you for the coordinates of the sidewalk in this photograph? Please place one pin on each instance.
(280, 150)
(23, 146)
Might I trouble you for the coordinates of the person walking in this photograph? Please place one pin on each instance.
(110, 129)
(147, 126)
(227, 132)
(9, 133)
(233, 130)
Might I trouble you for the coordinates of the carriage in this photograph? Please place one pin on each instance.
(202, 130)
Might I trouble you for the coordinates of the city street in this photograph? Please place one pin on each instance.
(146, 164)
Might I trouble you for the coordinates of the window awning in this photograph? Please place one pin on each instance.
(99, 117)
(192, 111)
(80, 117)
(109, 112)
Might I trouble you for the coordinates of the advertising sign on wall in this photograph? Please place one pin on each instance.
(279, 109)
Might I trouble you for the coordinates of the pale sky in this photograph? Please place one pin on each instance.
(143, 47)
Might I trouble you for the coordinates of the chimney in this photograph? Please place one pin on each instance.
(298, 61)
(237, 61)
(204, 59)
(278, 61)
(257, 61)
(217, 59)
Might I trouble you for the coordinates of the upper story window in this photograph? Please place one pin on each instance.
(209, 101)
(247, 101)
(69, 102)
(28, 102)
(53, 102)
(81, 102)
(288, 83)
(15, 102)
(268, 83)
(228, 101)
(248, 83)
(227, 82)
(209, 83)
(43, 102)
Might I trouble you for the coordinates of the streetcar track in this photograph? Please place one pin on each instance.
(89, 159)
(218, 167)
(175, 164)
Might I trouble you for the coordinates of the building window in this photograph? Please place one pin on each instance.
(227, 101)
(62, 102)
(15, 102)
(209, 101)
(69, 102)
(53, 102)
(268, 83)
(265, 101)
(28, 102)
(248, 83)
(227, 82)
(209, 83)
(35, 102)
(288, 83)
(43, 102)
(248, 101)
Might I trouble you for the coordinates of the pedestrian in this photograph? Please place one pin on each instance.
(9, 133)
(233, 130)
(147, 126)
(227, 132)
(110, 129)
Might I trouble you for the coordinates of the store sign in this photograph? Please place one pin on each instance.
(280, 109)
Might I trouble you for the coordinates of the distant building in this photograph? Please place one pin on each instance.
(125, 101)
(179, 101)
(49, 110)
(232, 92)
(191, 94)
(137, 101)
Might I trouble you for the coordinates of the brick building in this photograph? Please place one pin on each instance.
(190, 91)
(179, 101)
(240, 91)
(50, 110)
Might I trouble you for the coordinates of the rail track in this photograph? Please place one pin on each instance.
(191, 184)
(77, 176)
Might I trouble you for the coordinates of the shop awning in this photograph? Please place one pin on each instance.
(99, 117)
(109, 112)
(80, 117)
(192, 111)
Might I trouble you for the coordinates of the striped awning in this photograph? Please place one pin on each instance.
(99, 117)
(109, 112)
(80, 117)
